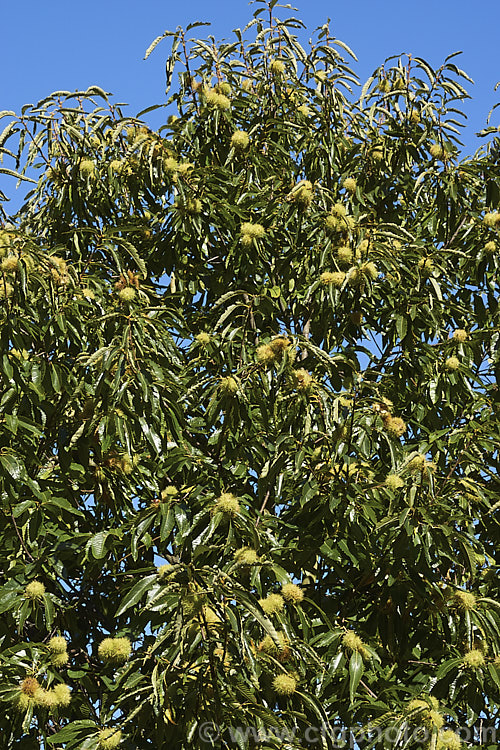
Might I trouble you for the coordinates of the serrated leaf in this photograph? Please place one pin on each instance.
(13, 466)
(72, 730)
(98, 544)
(356, 669)
(157, 41)
(135, 594)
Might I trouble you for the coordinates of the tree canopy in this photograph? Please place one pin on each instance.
(249, 405)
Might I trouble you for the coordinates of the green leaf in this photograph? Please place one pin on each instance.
(167, 522)
(156, 41)
(97, 544)
(356, 669)
(13, 466)
(49, 610)
(135, 594)
(72, 730)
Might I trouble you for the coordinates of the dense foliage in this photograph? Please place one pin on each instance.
(249, 408)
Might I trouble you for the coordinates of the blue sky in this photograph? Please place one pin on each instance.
(59, 45)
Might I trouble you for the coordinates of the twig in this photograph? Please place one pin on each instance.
(21, 539)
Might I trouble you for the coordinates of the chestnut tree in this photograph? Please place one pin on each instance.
(249, 408)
